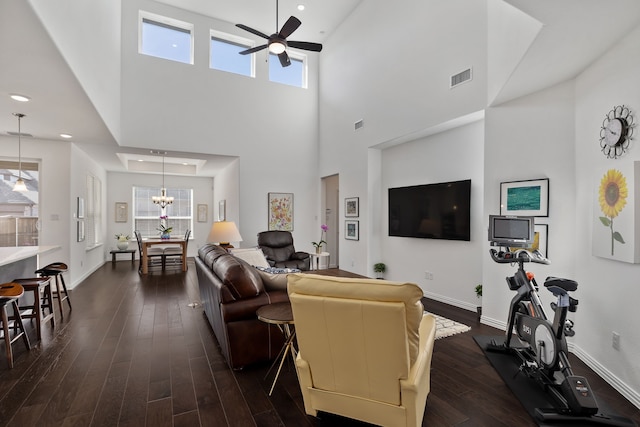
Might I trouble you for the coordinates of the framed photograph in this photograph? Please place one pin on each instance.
(352, 207)
(280, 209)
(122, 212)
(222, 210)
(540, 240)
(352, 229)
(80, 208)
(525, 198)
(81, 230)
(202, 213)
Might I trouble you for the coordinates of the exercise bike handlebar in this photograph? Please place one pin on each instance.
(520, 256)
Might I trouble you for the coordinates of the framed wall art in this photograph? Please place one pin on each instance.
(80, 208)
(352, 207)
(352, 229)
(81, 230)
(525, 198)
(280, 207)
(122, 212)
(222, 210)
(202, 213)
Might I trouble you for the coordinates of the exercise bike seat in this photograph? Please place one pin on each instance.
(559, 286)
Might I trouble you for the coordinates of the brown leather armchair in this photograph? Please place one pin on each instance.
(278, 247)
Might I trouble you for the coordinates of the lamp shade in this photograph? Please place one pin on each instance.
(224, 232)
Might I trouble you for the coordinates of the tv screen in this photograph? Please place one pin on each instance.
(431, 211)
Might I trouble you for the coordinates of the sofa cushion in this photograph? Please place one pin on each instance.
(242, 279)
(274, 278)
(209, 253)
(253, 256)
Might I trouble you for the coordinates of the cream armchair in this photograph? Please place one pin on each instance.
(365, 348)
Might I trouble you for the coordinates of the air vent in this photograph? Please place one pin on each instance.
(460, 78)
(22, 133)
(358, 125)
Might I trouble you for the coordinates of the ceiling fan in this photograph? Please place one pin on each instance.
(277, 42)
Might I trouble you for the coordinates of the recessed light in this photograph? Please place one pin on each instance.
(18, 97)
(66, 135)
(300, 7)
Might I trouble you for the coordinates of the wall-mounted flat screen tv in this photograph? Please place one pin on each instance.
(431, 211)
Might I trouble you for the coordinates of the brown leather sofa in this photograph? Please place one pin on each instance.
(280, 252)
(231, 291)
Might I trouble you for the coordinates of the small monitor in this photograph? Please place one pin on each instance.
(511, 230)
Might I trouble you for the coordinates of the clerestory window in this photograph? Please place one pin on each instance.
(224, 54)
(165, 38)
(293, 75)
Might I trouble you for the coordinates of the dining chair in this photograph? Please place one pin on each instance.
(155, 255)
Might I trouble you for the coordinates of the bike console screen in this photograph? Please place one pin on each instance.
(511, 230)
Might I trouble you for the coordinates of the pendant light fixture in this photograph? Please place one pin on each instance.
(19, 185)
(163, 200)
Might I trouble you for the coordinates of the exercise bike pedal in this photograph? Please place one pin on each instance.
(493, 346)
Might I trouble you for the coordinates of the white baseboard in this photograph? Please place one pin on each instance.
(623, 388)
(630, 394)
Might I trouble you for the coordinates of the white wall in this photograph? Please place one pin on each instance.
(456, 266)
(120, 189)
(91, 46)
(530, 138)
(272, 127)
(83, 261)
(609, 289)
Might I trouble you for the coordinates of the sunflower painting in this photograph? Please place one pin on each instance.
(613, 232)
(612, 197)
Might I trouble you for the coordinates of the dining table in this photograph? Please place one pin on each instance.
(146, 243)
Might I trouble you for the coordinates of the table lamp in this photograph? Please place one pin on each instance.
(223, 232)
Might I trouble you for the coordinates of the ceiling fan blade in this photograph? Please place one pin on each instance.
(253, 49)
(316, 47)
(289, 27)
(251, 30)
(284, 59)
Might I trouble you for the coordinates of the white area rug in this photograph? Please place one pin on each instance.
(447, 327)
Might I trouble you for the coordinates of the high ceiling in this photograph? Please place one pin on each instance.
(30, 64)
(574, 33)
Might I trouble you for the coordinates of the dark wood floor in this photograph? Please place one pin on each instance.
(133, 352)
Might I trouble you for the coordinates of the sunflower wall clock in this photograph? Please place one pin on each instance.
(616, 132)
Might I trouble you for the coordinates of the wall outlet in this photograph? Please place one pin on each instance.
(428, 275)
(615, 342)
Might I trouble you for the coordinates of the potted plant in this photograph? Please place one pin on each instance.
(123, 241)
(478, 290)
(318, 244)
(379, 268)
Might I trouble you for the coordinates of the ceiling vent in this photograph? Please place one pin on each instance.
(358, 125)
(460, 78)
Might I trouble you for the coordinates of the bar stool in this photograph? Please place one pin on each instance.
(9, 294)
(42, 300)
(55, 270)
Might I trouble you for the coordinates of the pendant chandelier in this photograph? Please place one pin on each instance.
(163, 200)
(19, 185)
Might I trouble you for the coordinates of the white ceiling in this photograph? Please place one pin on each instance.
(574, 33)
(30, 64)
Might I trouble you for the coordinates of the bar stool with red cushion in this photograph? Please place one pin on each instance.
(42, 301)
(9, 294)
(55, 270)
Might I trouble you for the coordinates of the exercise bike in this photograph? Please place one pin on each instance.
(540, 343)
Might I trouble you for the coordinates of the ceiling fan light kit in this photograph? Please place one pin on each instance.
(277, 42)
